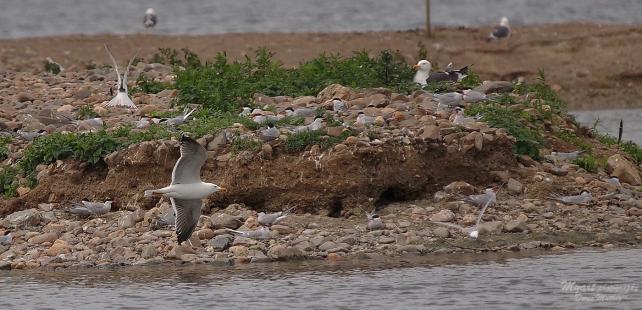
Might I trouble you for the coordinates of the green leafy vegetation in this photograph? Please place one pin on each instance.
(528, 136)
(590, 163)
(298, 142)
(4, 147)
(245, 144)
(633, 150)
(52, 67)
(145, 84)
(543, 92)
(86, 112)
(8, 181)
(572, 138)
(223, 85)
(471, 80)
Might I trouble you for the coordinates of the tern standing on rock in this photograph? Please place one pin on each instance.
(187, 190)
(489, 197)
(472, 231)
(582, 199)
(269, 219)
(374, 221)
(122, 98)
(87, 208)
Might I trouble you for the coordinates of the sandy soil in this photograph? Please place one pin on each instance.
(591, 65)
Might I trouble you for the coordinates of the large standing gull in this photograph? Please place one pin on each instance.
(150, 18)
(500, 32)
(121, 99)
(187, 190)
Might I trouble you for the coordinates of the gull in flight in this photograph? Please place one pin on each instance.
(87, 208)
(269, 219)
(187, 190)
(121, 99)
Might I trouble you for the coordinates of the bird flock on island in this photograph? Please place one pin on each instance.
(186, 189)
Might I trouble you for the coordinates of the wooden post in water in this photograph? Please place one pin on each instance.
(619, 136)
(428, 25)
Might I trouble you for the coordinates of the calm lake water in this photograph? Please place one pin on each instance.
(608, 121)
(28, 18)
(579, 280)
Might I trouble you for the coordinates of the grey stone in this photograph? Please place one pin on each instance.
(24, 218)
(220, 242)
(226, 221)
(443, 216)
(149, 251)
(514, 186)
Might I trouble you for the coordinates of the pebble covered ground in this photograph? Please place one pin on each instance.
(44, 235)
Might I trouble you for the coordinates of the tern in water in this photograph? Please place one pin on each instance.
(122, 98)
(87, 208)
(500, 32)
(149, 21)
(269, 219)
(582, 199)
(261, 233)
(186, 190)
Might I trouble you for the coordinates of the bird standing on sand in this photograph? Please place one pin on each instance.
(87, 208)
(186, 190)
(149, 21)
(122, 98)
(269, 219)
(500, 32)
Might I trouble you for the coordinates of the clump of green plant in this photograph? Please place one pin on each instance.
(543, 91)
(52, 67)
(286, 121)
(590, 163)
(572, 138)
(86, 112)
(223, 85)
(440, 86)
(298, 142)
(8, 181)
(4, 147)
(605, 139)
(88, 147)
(505, 99)
(245, 144)
(145, 84)
(528, 137)
(422, 53)
(90, 65)
(170, 56)
(471, 80)
(633, 150)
